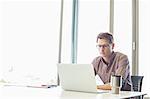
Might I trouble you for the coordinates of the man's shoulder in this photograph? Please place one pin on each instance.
(96, 59)
(121, 55)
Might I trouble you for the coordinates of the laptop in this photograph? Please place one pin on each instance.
(78, 77)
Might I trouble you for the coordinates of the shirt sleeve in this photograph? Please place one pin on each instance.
(123, 67)
(124, 70)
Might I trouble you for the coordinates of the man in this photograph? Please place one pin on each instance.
(111, 62)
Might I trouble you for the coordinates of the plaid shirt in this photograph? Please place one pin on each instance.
(118, 65)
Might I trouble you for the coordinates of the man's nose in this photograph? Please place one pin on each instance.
(102, 49)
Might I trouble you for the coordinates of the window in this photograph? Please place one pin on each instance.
(29, 40)
(93, 19)
(123, 28)
(66, 32)
(144, 47)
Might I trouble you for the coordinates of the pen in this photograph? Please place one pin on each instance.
(36, 86)
(49, 86)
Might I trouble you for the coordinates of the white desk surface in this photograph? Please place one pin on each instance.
(15, 92)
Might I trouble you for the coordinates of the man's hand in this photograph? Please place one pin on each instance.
(104, 87)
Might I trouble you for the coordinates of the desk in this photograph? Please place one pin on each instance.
(13, 92)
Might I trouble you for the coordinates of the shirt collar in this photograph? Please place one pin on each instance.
(112, 56)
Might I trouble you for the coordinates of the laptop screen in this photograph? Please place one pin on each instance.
(77, 77)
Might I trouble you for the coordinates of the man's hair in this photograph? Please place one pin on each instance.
(107, 36)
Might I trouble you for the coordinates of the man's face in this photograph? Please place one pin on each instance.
(105, 49)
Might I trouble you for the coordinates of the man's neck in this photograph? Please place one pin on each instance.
(107, 59)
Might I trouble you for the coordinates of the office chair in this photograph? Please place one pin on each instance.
(137, 84)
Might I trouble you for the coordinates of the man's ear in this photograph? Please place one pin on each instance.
(113, 45)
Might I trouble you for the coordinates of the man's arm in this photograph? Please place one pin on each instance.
(123, 70)
(104, 87)
(123, 67)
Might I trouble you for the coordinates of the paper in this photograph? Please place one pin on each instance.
(98, 80)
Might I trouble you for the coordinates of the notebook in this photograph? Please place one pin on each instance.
(78, 77)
